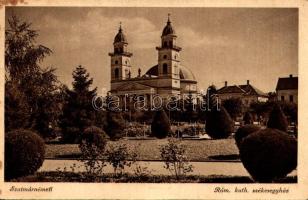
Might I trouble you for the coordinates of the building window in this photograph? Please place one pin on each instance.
(116, 73)
(165, 56)
(116, 62)
(170, 43)
(165, 44)
(282, 98)
(165, 69)
(126, 62)
(291, 98)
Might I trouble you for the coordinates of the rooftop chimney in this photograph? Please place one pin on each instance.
(291, 76)
(247, 82)
(226, 83)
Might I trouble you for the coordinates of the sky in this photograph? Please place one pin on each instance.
(218, 44)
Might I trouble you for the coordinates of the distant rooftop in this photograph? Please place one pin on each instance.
(287, 83)
(247, 89)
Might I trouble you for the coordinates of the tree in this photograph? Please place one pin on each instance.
(290, 110)
(92, 146)
(190, 109)
(115, 125)
(277, 119)
(160, 126)
(78, 112)
(118, 156)
(174, 156)
(261, 108)
(234, 106)
(22, 54)
(36, 88)
(248, 118)
(17, 113)
(219, 124)
(210, 97)
(218, 121)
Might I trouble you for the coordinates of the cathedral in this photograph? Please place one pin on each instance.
(166, 78)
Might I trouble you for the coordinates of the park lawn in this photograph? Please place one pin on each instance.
(197, 150)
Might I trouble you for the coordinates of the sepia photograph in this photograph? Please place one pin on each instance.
(151, 95)
(162, 95)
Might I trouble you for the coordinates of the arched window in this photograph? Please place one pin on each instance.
(165, 57)
(170, 43)
(176, 70)
(116, 73)
(165, 68)
(116, 62)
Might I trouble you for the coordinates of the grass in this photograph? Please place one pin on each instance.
(197, 150)
(131, 178)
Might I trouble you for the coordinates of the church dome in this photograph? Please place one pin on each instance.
(168, 30)
(120, 37)
(185, 73)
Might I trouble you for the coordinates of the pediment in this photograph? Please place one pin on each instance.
(132, 87)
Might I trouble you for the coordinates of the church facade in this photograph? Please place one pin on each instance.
(166, 78)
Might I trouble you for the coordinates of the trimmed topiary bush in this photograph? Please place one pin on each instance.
(243, 132)
(277, 119)
(160, 126)
(95, 136)
(248, 119)
(269, 154)
(24, 153)
(219, 124)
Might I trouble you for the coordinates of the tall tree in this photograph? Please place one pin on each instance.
(277, 119)
(218, 121)
(78, 112)
(36, 88)
(22, 54)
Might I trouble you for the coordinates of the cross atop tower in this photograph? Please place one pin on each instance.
(120, 28)
(168, 17)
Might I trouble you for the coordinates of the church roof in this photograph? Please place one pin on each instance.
(168, 30)
(185, 73)
(120, 37)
